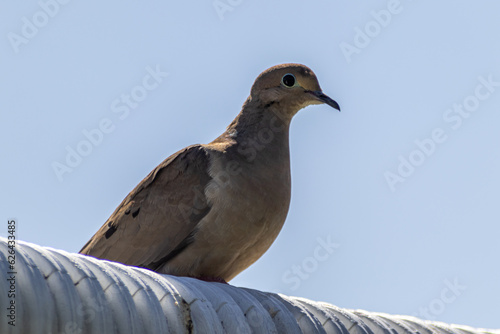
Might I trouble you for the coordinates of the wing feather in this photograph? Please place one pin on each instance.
(162, 212)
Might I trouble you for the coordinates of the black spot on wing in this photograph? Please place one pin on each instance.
(110, 231)
(135, 212)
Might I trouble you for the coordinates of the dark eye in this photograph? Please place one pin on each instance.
(288, 80)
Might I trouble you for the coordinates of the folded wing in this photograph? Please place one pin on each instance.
(159, 218)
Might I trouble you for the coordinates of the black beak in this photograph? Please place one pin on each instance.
(325, 99)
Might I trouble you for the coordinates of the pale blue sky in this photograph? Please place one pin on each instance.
(428, 245)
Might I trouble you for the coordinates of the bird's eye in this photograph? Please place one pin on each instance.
(288, 80)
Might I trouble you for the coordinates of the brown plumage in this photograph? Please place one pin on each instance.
(210, 211)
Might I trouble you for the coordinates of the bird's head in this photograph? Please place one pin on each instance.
(289, 87)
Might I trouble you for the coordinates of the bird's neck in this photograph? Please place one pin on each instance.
(257, 140)
(260, 130)
(259, 135)
(258, 117)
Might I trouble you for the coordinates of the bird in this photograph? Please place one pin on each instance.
(209, 211)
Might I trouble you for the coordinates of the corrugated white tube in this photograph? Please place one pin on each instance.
(57, 292)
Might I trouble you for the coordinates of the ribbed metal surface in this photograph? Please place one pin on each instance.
(59, 292)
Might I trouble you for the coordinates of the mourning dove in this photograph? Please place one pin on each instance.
(210, 211)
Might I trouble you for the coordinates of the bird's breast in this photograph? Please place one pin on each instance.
(251, 197)
(248, 209)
